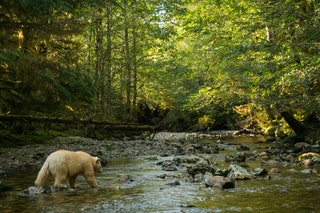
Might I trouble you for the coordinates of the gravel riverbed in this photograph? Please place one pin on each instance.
(33, 156)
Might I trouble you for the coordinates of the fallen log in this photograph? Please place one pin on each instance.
(25, 121)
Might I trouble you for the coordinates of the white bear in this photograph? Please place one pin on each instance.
(64, 164)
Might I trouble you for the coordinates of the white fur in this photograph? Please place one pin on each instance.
(64, 164)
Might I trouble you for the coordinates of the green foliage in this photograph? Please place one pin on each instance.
(38, 57)
(217, 64)
(45, 8)
(253, 52)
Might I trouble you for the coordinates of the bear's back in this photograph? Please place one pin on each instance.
(72, 161)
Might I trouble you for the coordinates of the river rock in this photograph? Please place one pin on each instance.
(205, 148)
(301, 145)
(275, 170)
(222, 172)
(168, 165)
(34, 190)
(240, 157)
(198, 177)
(306, 171)
(264, 156)
(259, 172)
(292, 170)
(242, 148)
(237, 172)
(187, 159)
(245, 131)
(169, 168)
(316, 160)
(125, 179)
(200, 168)
(219, 182)
(272, 162)
(173, 184)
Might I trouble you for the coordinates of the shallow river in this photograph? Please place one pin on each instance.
(289, 191)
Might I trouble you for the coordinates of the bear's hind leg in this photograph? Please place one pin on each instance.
(60, 181)
(72, 181)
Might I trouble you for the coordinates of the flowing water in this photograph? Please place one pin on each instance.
(289, 191)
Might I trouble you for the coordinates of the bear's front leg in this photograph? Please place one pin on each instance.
(91, 180)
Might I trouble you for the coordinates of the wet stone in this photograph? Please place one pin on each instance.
(125, 179)
(306, 171)
(169, 168)
(235, 158)
(200, 168)
(238, 173)
(259, 172)
(275, 171)
(242, 147)
(219, 182)
(173, 184)
(187, 159)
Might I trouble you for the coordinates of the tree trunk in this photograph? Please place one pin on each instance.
(127, 57)
(108, 56)
(99, 63)
(294, 124)
(134, 49)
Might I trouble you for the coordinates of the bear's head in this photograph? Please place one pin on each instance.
(97, 165)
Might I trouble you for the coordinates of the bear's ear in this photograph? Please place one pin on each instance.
(97, 160)
(97, 166)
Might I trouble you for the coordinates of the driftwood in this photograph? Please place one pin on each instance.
(25, 123)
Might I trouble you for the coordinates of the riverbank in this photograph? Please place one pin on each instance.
(163, 144)
(32, 156)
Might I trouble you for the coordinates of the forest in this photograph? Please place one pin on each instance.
(182, 65)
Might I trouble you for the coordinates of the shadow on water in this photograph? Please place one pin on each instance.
(289, 191)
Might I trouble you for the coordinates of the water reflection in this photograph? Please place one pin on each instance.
(289, 191)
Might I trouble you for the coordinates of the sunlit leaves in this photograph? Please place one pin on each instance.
(259, 50)
(200, 57)
(37, 47)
